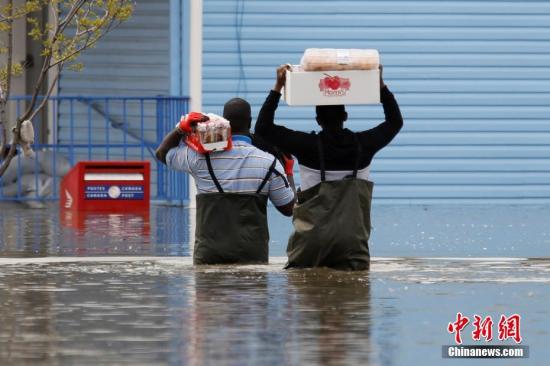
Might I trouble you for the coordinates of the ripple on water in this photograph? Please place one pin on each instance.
(165, 311)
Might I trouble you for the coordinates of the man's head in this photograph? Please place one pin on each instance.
(237, 112)
(331, 117)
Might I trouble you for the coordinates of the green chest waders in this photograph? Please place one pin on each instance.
(332, 222)
(231, 227)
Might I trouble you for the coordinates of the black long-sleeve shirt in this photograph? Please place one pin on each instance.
(339, 147)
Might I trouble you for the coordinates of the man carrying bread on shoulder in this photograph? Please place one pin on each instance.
(233, 188)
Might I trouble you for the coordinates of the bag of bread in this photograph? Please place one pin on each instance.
(211, 135)
(332, 59)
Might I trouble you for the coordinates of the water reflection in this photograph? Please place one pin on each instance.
(50, 232)
(231, 317)
(333, 310)
(398, 231)
(26, 233)
(27, 319)
(144, 314)
(52, 316)
(299, 317)
(165, 311)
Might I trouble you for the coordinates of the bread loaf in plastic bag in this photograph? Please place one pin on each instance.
(326, 59)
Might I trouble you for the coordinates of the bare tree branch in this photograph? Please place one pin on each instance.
(87, 43)
(90, 28)
(55, 14)
(67, 20)
(7, 160)
(5, 94)
(47, 61)
(47, 96)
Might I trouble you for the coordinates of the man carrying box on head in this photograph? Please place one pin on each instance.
(332, 217)
(233, 187)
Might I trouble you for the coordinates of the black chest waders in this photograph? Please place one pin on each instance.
(332, 222)
(231, 227)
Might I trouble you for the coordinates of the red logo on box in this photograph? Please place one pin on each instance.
(334, 86)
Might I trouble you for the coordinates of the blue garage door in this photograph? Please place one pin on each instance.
(132, 60)
(471, 77)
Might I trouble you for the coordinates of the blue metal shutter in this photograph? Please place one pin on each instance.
(471, 77)
(132, 60)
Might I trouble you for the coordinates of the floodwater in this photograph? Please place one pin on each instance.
(121, 289)
(398, 231)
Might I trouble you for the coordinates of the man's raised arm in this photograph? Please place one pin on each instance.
(381, 135)
(285, 139)
(173, 138)
(170, 141)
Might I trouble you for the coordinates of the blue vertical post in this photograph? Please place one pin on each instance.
(175, 71)
(19, 189)
(18, 160)
(160, 168)
(179, 75)
(107, 132)
(172, 179)
(54, 141)
(176, 46)
(89, 131)
(36, 171)
(71, 153)
(125, 130)
(185, 46)
(141, 126)
(177, 175)
(185, 109)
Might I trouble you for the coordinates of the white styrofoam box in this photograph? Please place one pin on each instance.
(305, 88)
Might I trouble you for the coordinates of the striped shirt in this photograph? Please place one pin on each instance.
(239, 170)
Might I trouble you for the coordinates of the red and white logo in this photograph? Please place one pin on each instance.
(334, 86)
(508, 327)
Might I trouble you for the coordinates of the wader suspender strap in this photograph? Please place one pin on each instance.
(321, 157)
(282, 176)
(269, 172)
(358, 150)
(211, 172)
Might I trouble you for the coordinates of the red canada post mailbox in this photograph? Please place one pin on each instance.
(106, 186)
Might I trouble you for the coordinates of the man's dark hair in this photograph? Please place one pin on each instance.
(237, 111)
(331, 116)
